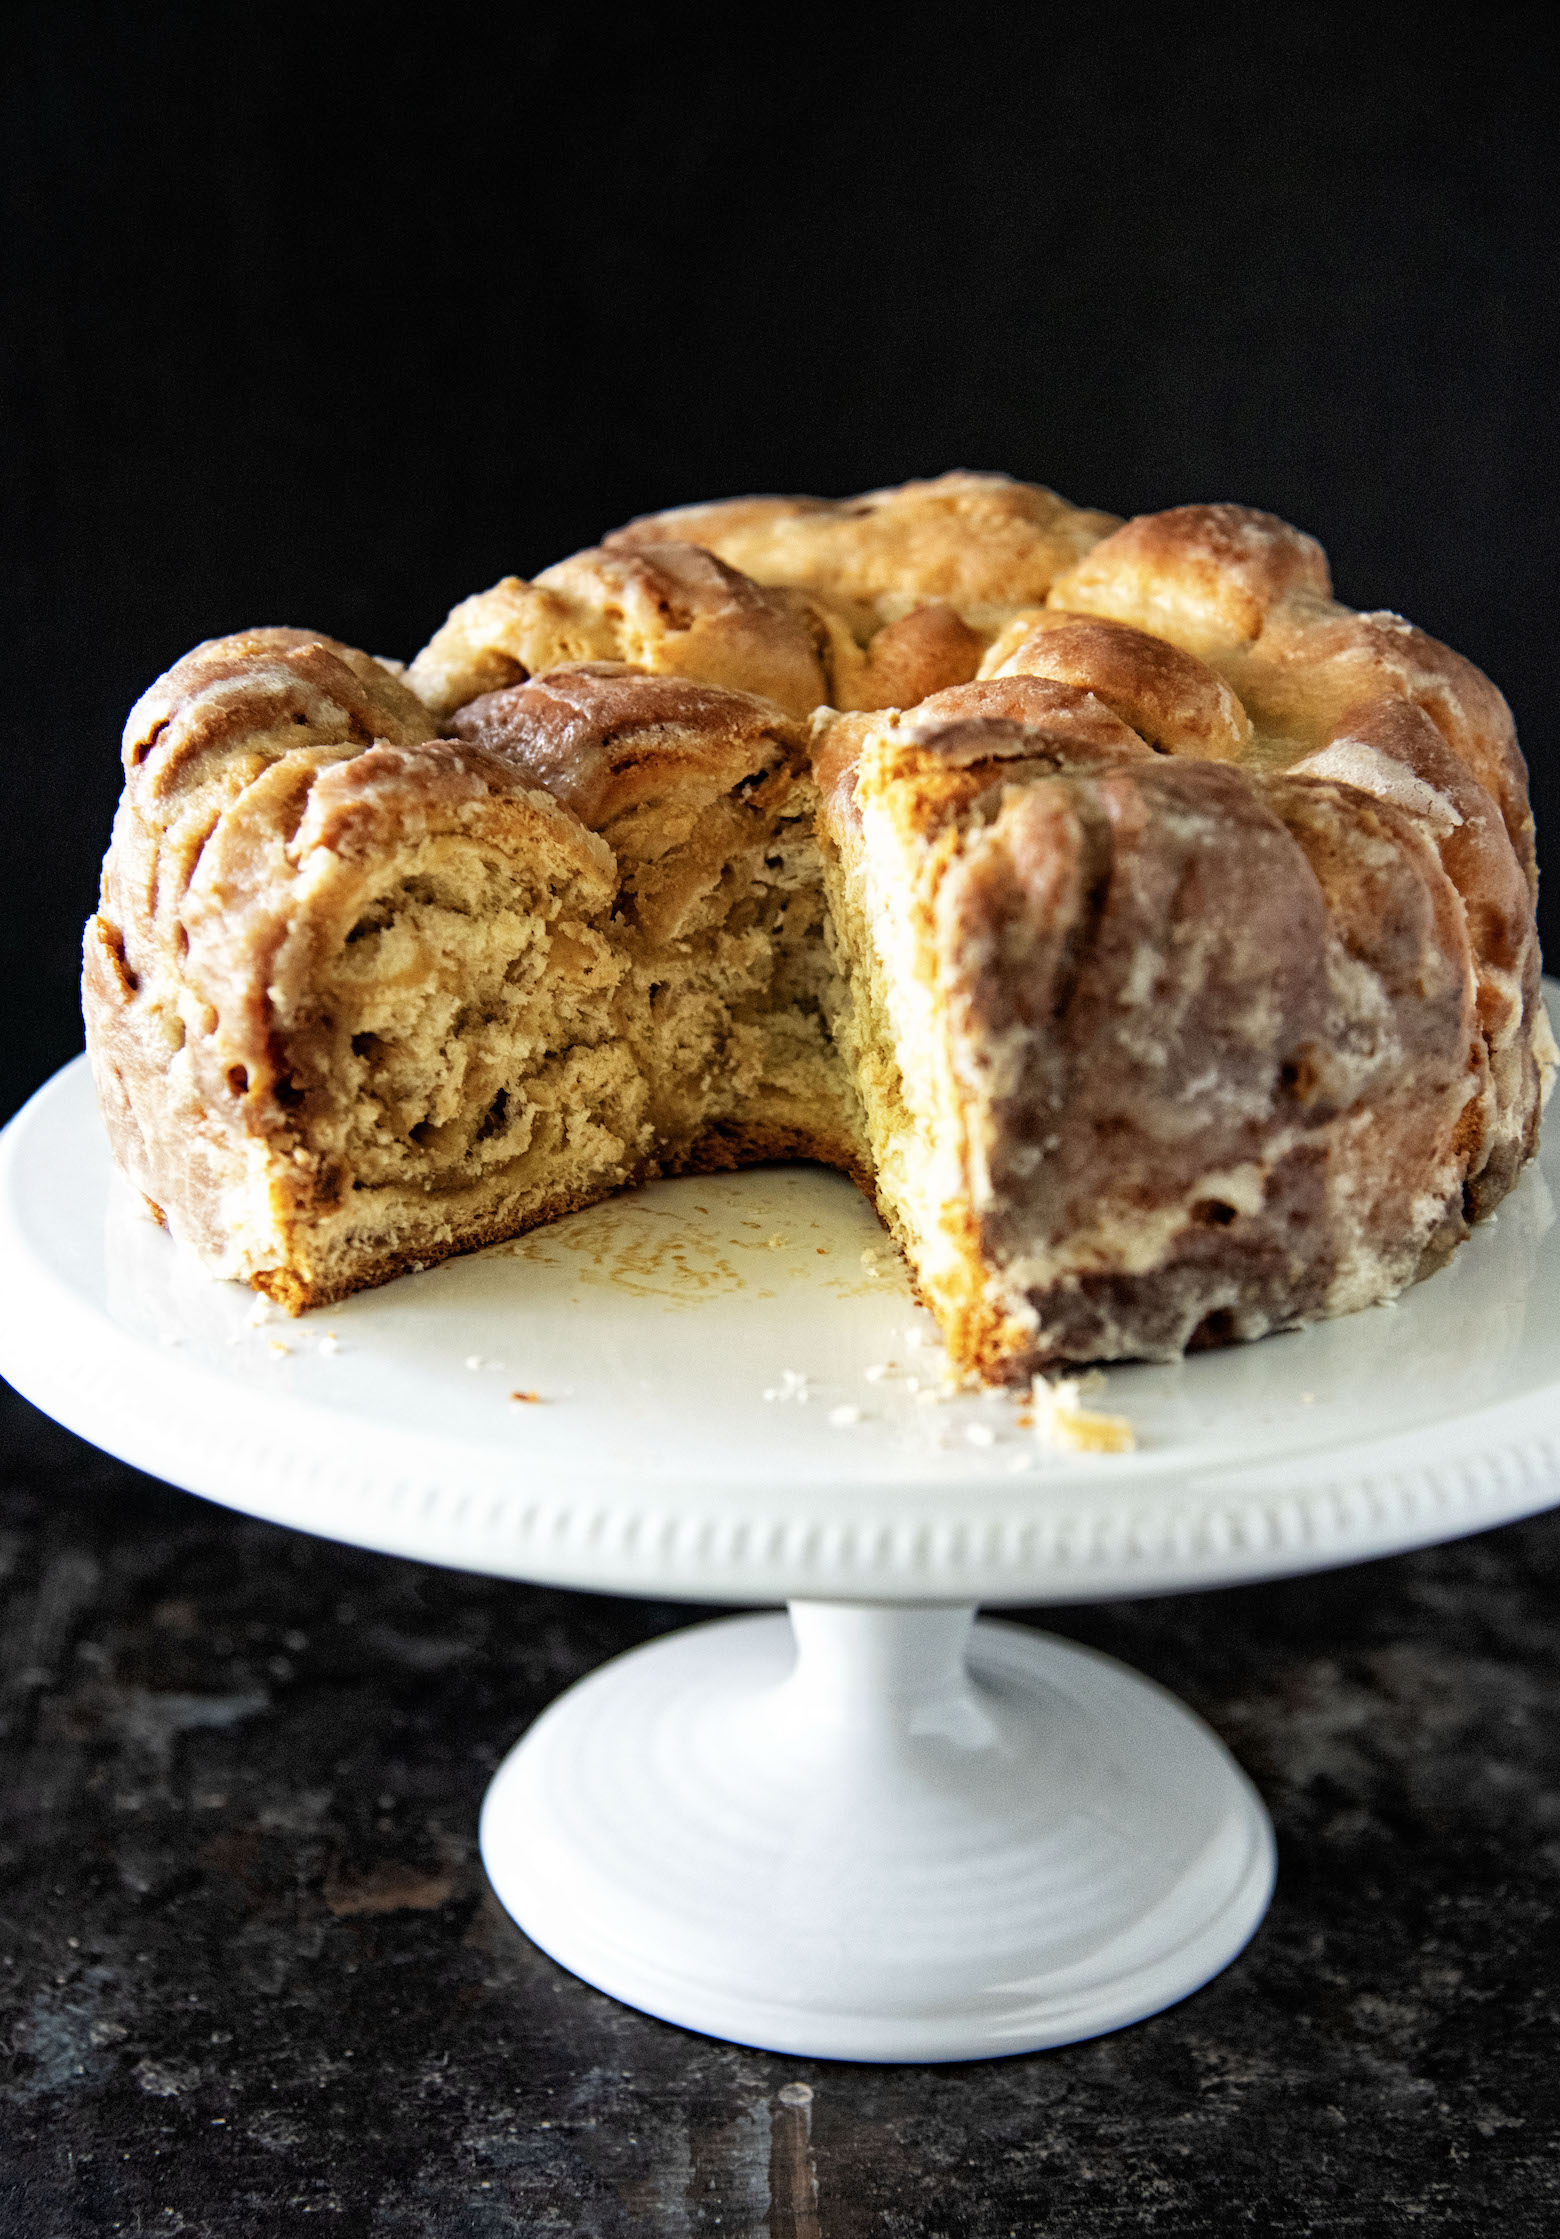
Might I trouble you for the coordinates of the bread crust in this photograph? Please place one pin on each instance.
(606, 739)
(981, 544)
(673, 609)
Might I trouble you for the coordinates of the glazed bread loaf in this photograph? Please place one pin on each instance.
(1150, 935)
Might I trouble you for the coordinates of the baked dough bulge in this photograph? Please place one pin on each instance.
(1150, 935)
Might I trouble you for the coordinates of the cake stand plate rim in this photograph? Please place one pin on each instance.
(1104, 1529)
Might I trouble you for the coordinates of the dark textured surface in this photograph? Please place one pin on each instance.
(250, 1973)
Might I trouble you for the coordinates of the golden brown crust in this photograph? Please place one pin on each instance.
(958, 742)
(270, 691)
(605, 739)
(1171, 699)
(980, 542)
(1203, 576)
(1055, 716)
(299, 1291)
(905, 586)
(673, 609)
(924, 651)
(1312, 664)
(1252, 598)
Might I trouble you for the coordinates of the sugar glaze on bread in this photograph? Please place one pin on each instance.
(1151, 936)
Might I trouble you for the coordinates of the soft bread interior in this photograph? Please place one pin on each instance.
(443, 993)
(495, 1057)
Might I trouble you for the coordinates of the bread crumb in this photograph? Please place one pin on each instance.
(330, 1342)
(525, 1399)
(278, 1348)
(1062, 1419)
(979, 1434)
(841, 1418)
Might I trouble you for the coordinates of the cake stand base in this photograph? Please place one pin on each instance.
(873, 1833)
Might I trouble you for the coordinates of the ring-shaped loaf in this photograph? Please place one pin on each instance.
(1149, 934)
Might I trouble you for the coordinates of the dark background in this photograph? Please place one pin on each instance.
(320, 322)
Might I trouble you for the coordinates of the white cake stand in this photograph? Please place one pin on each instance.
(865, 1833)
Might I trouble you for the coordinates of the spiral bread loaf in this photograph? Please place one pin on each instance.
(1151, 936)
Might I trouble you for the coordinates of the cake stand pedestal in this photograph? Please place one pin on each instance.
(884, 1839)
(872, 1831)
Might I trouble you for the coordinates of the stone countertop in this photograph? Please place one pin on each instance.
(250, 1972)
